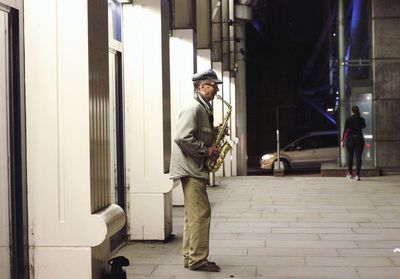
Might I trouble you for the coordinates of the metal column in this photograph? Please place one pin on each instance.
(342, 77)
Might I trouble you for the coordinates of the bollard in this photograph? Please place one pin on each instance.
(279, 170)
(117, 272)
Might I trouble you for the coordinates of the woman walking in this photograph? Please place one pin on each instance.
(354, 140)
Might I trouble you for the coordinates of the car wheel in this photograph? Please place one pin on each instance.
(286, 165)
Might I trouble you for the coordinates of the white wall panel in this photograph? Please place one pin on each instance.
(58, 140)
(52, 261)
(146, 83)
(182, 56)
(143, 66)
(57, 122)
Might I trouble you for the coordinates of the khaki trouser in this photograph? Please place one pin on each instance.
(197, 222)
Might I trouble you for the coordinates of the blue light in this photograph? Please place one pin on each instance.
(355, 20)
(256, 24)
(323, 112)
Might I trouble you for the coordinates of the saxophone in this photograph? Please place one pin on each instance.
(223, 146)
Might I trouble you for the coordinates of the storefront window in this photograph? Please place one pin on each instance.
(358, 70)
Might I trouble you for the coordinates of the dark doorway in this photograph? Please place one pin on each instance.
(13, 134)
(118, 190)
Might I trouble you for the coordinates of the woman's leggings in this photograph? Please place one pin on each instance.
(356, 147)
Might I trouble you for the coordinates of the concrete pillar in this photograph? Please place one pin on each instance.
(59, 77)
(203, 24)
(231, 87)
(228, 58)
(183, 65)
(203, 34)
(216, 32)
(225, 36)
(203, 38)
(222, 55)
(147, 118)
(231, 11)
(226, 94)
(203, 59)
(243, 13)
(241, 116)
(386, 71)
(221, 64)
(344, 100)
(233, 125)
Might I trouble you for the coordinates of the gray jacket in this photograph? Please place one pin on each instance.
(194, 133)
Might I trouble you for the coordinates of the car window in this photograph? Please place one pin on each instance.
(307, 143)
(314, 141)
(329, 140)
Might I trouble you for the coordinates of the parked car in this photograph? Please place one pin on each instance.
(308, 151)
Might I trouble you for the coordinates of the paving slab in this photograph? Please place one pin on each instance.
(227, 271)
(349, 261)
(379, 272)
(361, 252)
(395, 260)
(288, 227)
(313, 272)
(224, 260)
(294, 252)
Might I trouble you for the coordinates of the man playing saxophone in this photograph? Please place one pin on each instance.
(192, 146)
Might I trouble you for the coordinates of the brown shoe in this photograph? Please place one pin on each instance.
(186, 263)
(208, 267)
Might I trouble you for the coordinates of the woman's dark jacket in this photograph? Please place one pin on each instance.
(353, 129)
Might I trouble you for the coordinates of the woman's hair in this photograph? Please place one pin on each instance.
(355, 110)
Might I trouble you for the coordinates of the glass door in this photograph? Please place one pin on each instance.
(5, 242)
(363, 99)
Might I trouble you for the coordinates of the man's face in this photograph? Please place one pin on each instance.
(209, 89)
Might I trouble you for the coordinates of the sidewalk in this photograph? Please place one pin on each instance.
(288, 227)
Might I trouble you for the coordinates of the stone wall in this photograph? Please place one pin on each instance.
(386, 68)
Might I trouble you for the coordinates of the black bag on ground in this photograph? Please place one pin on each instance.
(117, 272)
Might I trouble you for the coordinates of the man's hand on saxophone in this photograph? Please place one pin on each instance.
(212, 152)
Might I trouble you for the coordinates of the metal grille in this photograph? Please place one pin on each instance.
(99, 106)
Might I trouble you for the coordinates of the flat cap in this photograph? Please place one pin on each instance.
(209, 74)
